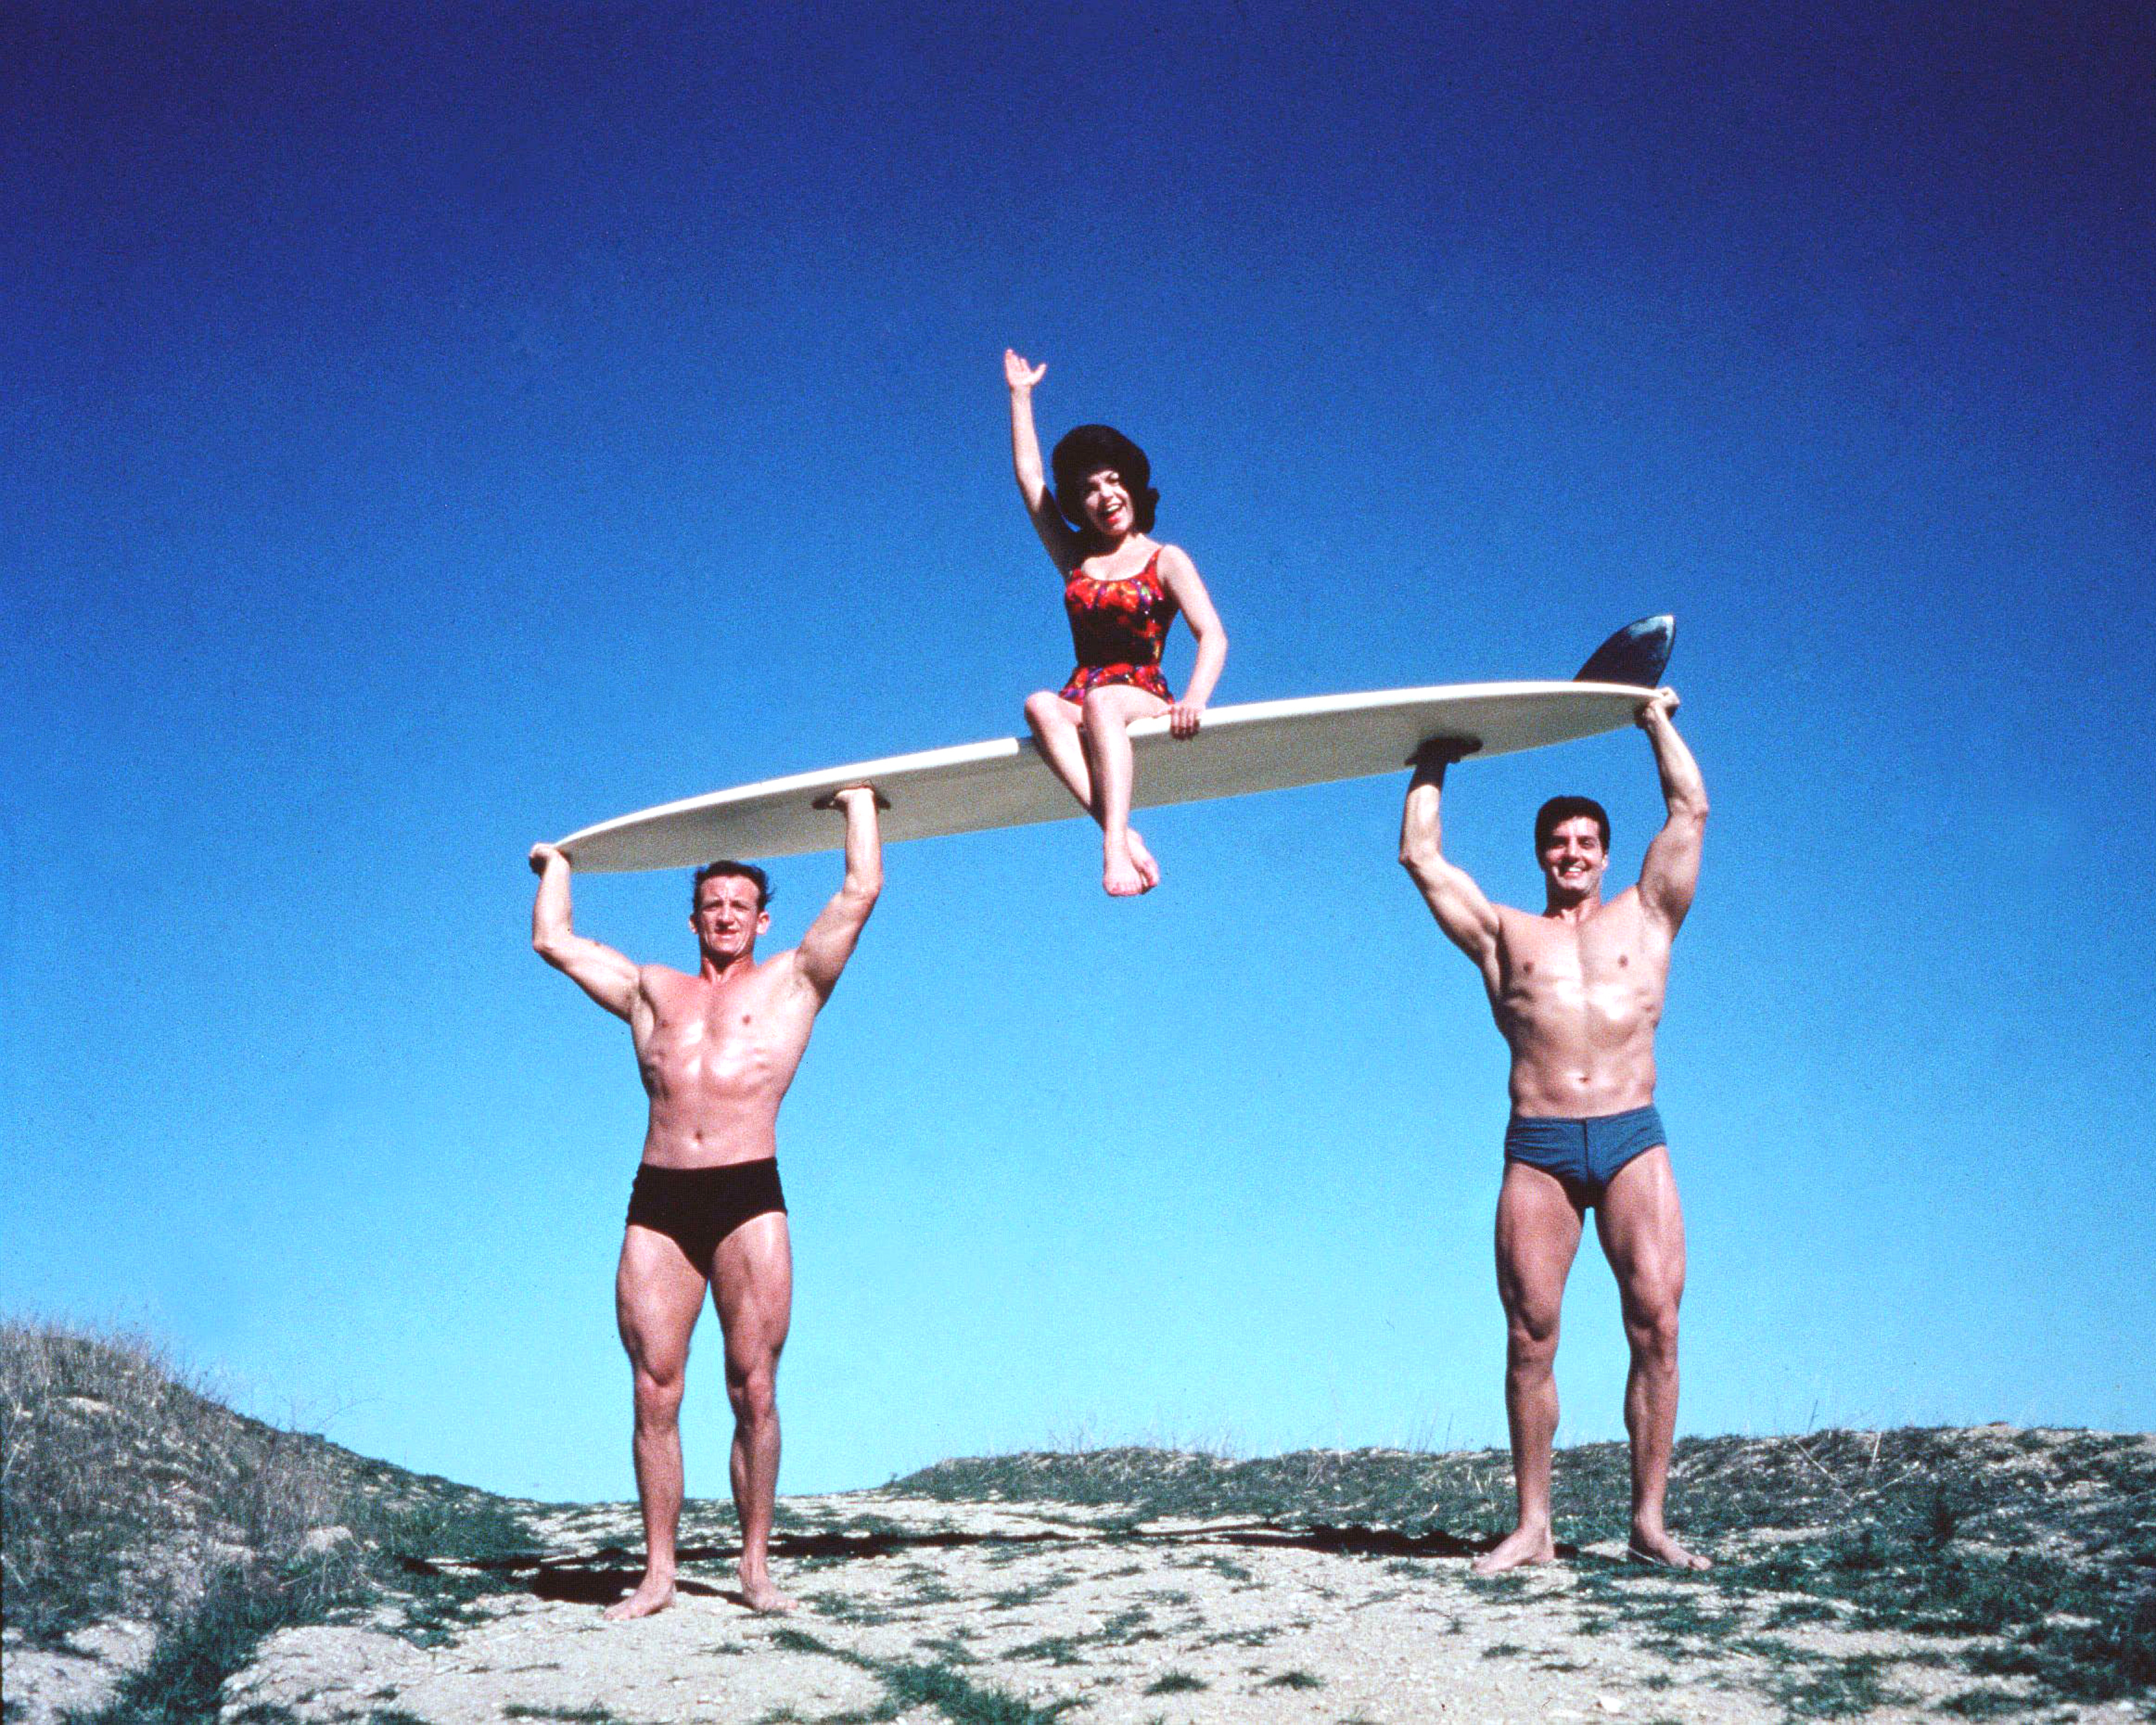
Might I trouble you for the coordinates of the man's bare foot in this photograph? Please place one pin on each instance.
(1522, 1545)
(654, 1594)
(1660, 1549)
(762, 1596)
(1142, 860)
(1119, 874)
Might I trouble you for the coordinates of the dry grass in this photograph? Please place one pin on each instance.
(128, 1491)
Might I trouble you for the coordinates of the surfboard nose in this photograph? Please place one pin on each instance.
(1636, 655)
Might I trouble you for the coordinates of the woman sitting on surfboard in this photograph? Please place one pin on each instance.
(1122, 589)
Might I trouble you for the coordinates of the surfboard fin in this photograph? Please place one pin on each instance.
(1636, 655)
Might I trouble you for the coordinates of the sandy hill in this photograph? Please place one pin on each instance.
(169, 1559)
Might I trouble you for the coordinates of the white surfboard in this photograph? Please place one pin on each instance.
(1260, 746)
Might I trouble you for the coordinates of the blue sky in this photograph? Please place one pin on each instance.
(435, 429)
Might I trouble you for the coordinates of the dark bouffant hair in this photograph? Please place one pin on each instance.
(1084, 451)
(749, 872)
(1557, 810)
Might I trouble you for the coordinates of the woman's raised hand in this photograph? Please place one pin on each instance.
(1018, 373)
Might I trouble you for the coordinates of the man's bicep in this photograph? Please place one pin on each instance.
(830, 942)
(609, 977)
(1468, 918)
(1670, 876)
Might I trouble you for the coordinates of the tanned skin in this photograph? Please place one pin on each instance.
(717, 1050)
(1578, 992)
(1089, 746)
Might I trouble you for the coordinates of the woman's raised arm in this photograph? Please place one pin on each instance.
(1055, 534)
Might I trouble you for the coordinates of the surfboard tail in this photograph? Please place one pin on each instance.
(1636, 655)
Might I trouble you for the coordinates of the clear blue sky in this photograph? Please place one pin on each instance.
(433, 429)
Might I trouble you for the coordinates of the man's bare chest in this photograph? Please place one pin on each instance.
(1614, 947)
(730, 1024)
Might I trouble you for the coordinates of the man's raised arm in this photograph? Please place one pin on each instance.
(1469, 919)
(604, 974)
(1671, 874)
(829, 942)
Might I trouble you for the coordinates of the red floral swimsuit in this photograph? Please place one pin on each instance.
(1117, 629)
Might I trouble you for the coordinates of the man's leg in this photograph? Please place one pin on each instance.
(657, 1294)
(1539, 1230)
(1642, 1229)
(752, 1285)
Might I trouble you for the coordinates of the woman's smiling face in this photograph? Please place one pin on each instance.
(1108, 503)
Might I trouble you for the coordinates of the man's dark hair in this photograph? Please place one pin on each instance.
(748, 871)
(1557, 810)
(1083, 452)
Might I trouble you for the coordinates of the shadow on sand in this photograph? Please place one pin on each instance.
(601, 1576)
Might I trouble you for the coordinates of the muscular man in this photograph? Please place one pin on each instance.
(1578, 992)
(717, 1050)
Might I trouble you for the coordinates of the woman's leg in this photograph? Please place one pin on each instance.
(1105, 717)
(1054, 723)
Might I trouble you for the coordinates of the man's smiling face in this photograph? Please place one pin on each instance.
(1573, 861)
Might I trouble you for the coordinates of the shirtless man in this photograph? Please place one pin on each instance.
(717, 1050)
(1578, 992)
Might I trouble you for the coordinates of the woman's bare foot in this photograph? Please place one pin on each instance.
(1119, 874)
(1523, 1545)
(654, 1594)
(1141, 859)
(1659, 1548)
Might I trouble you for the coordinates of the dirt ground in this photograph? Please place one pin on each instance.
(921, 1611)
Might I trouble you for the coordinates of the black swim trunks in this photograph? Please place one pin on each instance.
(696, 1208)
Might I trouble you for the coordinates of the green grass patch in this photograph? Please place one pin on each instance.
(1133, 1623)
(1982, 1704)
(959, 1698)
(182, 1682)
(844, 1607)
(1032, 1593)
(1056, 1649)
(1838, 1688)
(1685, 1623)
(1294, 1679)
(910, 1684)
(960, 1701)
(2084, 1627)
(1176, 1683)
(1258, 1635)
(1221, 1564)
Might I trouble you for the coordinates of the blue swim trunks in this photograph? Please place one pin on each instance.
(1584, 1153)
